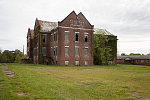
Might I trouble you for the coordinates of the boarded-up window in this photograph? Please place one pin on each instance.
(66, 63)
(66, 51)
(76, 62)
(86, 62)
(86, 51)
(76, 51)
(66, 36)
(44, 51)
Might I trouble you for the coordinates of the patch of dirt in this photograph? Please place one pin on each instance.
(22, 94)
(8, 72)
(147, 98)
(135, 96)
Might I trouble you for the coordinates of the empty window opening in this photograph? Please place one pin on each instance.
(86, 37)
(76, 36)
(43, 38)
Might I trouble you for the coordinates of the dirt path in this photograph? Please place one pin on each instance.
(8, 72)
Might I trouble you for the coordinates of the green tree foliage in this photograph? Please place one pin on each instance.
(102, 53)
(134, 54)
(9, 56)
(18, 59)
(123, 54)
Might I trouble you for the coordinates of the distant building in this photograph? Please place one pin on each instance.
(68, 42)
(135, 60)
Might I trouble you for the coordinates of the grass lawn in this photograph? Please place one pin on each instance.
(42, 82)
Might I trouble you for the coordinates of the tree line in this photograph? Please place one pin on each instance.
(11, 56)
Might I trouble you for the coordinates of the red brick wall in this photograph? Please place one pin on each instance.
(138, 62)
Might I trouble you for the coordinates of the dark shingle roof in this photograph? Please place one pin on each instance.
(47, 26)
(134, 57)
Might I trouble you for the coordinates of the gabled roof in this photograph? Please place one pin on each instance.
(46, 26)
(102, 31)
(81, 14)
(72, 13)
(135, 57)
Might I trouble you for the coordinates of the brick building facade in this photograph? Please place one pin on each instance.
(68, 42)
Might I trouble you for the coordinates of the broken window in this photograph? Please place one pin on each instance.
(54, 51)
(44, 38)
(76, 36)
(86, 37)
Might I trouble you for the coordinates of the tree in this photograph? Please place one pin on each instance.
(132, 54)
(10, 56)
(102, 53)
(123, 54)
(18, 59)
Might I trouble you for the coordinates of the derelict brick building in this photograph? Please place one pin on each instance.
(68, 42)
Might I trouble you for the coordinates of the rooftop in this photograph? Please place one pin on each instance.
(134, 57)
(47, 26)
(102, 31)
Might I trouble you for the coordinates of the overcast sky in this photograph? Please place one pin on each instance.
(128, 19)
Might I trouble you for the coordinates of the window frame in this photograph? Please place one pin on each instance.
(86, 63)
(76, 53)
(86, 52)
(86, 37)
(42, 38)
(76, 37)
(66, 38)
(44, 54)
(77, 63)
(67, 54)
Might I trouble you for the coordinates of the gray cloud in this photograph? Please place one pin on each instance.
(128, 19)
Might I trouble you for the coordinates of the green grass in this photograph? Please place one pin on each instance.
(121, 82)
